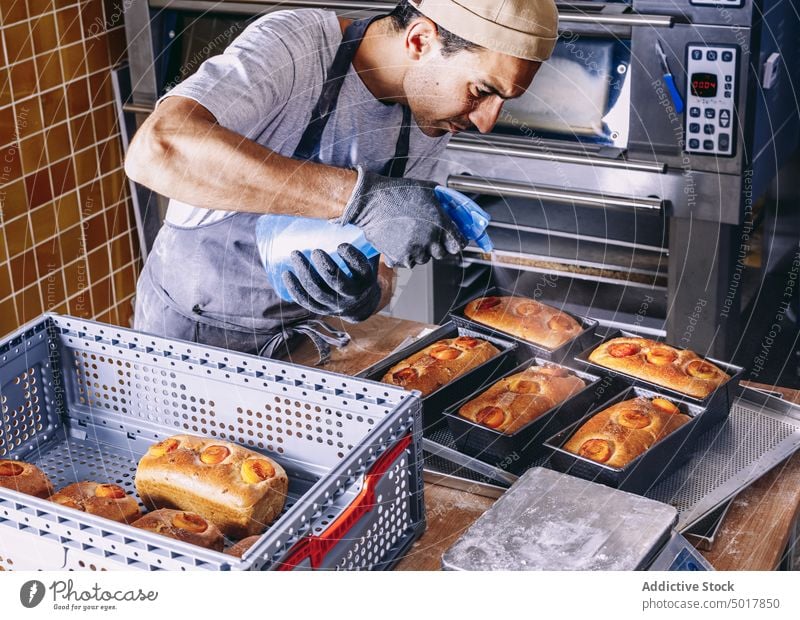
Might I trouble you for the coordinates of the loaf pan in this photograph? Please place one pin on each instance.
(434, 403)
(646, 470)
(517, 451)
(717, 404)
(558, 354)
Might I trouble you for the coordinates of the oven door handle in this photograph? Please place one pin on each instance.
(622, 19)
(512, 189)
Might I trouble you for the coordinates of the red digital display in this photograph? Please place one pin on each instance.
(704, 84)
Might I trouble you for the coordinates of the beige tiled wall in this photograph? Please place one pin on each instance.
(67, 240)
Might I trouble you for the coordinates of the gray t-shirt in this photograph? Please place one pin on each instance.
(265, 86)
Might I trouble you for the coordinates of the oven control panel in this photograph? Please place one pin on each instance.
(709, 118)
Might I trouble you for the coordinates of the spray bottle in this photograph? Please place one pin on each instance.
(278, 235)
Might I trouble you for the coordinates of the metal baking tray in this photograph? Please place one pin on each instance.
(643, 472)
(434, 403)
(552, 521)
(519, 449)
(558, 354)
(760, 432)
(717, 404)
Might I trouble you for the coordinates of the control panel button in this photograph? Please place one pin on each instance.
(728, 86)
(697, 55)
(708, 129)
(727, 94)
(694, 127)
(724, 118)
(708, 145)
(724, 141)
(694, 112)
(694, 143)
(711, 55)
(710, 112)
(727, 56)
(728, 78)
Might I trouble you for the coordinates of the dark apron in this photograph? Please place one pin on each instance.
(206, 284)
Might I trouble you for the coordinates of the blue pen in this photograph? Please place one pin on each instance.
(669, 80)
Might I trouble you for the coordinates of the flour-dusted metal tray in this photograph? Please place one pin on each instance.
(84, 400)
(556, 354)
(717, 405)
(436, 402)
(519, 449)
(552, 521)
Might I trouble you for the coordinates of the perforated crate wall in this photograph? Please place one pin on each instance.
(105, 394)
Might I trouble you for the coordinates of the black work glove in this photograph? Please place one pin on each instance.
(402, 219)
(329, 291)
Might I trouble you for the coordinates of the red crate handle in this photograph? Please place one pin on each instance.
(316, 547)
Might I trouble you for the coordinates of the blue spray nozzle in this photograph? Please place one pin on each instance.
(470, 219)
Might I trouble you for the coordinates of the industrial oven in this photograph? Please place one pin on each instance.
(615, 192)
(621, 193)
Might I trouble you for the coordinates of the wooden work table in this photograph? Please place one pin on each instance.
(753, 535)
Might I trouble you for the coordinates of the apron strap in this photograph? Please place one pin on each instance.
(321, 334)
(309, 146)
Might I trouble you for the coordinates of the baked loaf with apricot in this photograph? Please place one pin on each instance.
(524, 318)
(438, 364)
(104, 500)
(521, 398)
(181, 525)
(677, 369)
(238, 490)
(25, 478)
(620, 433)
(241, 547)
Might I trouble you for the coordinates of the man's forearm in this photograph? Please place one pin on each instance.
(181, 152)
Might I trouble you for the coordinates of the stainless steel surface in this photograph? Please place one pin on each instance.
(761, 432)
(634, 20)
(142, 92)
(575, 275)
(138, 108)
(531, 150)
(553, 521)
(704, 532)
(579, 237)
(458, 458)
(500, 187)
(145, 202)
(458, 483)
(576, 251)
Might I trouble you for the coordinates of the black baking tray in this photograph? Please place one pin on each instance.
(717, 404)
(646, 470)
(558, 354)
(434, 403)
(521, 448)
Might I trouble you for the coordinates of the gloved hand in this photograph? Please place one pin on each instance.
(402, 219)
(329, 291)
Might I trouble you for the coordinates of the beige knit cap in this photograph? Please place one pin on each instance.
(521, 28)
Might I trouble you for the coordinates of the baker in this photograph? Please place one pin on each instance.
(312, 115)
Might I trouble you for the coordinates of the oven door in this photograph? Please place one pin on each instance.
(582, 94)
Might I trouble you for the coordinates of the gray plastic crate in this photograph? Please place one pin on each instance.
(84, 400)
